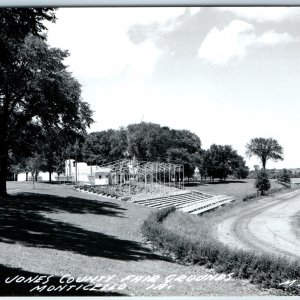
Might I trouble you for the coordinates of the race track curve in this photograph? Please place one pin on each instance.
(264, 226)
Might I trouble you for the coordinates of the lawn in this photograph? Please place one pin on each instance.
(236, 188)
(56, 230)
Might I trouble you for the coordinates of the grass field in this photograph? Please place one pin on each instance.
(237, 188)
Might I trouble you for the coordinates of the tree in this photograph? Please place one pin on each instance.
(264, 149)
(34, 164)
(220, 161)
(262, 182)
(15, 25)
(143, 141)
(104, 146)
(285, 176)
(37, 92)
(241, 171)
(182, 157)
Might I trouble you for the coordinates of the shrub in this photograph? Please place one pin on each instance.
(262, 182)
(249, 196)
(285, 176)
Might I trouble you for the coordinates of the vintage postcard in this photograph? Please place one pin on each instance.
(149, 151)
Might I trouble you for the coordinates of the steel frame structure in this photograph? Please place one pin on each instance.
(145, 175)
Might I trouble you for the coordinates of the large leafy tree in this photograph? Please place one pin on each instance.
(15, 25)
(220, 161)
(144, 141)
(53, 146)
(152, 142)
(241, 171)
(104, 146)
(36, 89)
(183, 157)
(264, 149)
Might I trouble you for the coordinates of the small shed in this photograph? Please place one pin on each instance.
(102, 176)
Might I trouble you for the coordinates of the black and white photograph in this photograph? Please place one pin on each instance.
(150, 151)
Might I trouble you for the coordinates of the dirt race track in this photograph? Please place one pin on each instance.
(265, 225)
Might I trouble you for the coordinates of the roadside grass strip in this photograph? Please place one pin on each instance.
(264, 270)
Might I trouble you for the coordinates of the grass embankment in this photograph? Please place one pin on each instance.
(192, 244)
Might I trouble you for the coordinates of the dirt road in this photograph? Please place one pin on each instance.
(265, 225)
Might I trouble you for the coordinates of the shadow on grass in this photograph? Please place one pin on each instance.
(22, 222)
(23, 289)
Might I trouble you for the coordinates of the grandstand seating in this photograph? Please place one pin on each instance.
(193, 202)
(189, 201)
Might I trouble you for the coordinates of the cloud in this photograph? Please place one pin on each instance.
(159, 27)
(193, 10)
(98, 40)
(264, 14)
(272, 38)
(234, 41)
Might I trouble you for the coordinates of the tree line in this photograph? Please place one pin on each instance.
(143, 141)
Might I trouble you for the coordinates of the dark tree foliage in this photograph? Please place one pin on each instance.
(185, 139)
(15, 25)
(182, 157)
(242, 171)
(144, 141)
(262, 182)
(36, 91)
(264, 149)
(152, 142)
(104, 146)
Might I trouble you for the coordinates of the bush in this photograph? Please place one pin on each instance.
(285, 176)
(266, 270)
(262, 182)
(249, 196)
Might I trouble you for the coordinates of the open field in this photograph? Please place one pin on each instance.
(236, 188)
(54, 230)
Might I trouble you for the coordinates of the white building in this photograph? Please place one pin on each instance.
(75, 172)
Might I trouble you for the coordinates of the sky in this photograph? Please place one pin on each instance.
(227, 74)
